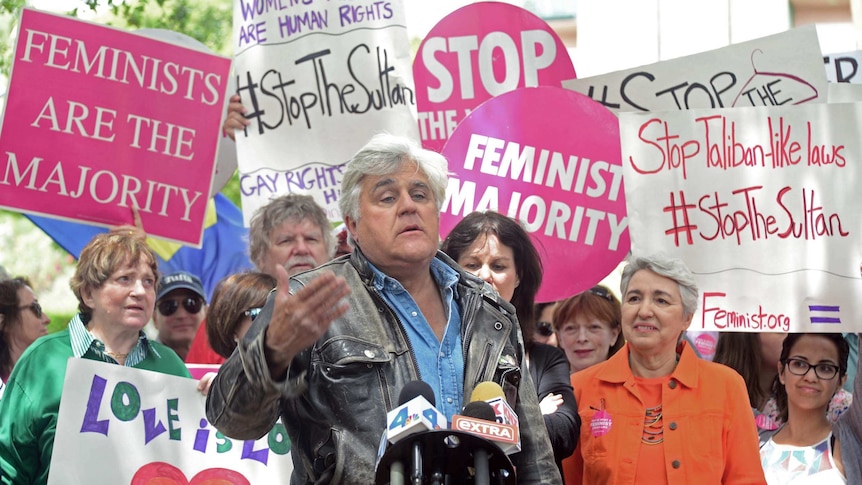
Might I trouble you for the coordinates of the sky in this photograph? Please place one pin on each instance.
(422, 15)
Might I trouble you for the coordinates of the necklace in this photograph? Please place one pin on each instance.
(117, 356)
(653, 426)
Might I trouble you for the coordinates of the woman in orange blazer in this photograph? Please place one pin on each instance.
(654, 412)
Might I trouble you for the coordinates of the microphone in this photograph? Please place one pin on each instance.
(437, 455)
(507, 436)
(479, 418)
(415, 413)
(480, 410)
(475, 418)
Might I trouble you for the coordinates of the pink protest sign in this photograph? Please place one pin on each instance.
(549, 157)
(477, 52)
(98, 120)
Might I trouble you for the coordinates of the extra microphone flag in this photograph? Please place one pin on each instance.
(507, 419)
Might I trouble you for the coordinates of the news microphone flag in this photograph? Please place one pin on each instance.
(478, 418)
(445, 455)
(415, 414)
(492, 393)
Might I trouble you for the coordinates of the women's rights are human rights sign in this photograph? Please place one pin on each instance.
(549, 157)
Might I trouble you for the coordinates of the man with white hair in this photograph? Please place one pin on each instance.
(333, 347)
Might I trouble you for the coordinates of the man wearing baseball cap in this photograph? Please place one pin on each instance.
(180, 309)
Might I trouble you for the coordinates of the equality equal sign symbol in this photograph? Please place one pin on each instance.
(827, 314)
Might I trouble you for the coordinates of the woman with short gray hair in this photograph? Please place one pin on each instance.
(656, 412)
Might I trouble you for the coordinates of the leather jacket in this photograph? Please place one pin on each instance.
(334, 400)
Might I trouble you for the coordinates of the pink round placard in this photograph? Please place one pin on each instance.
(477, 52)
(549, 157)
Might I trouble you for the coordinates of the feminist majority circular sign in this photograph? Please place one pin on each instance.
(549, 157)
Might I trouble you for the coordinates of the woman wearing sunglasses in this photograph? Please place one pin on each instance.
(115, 283)
(237, 300)
(21, 323)
(807, 449)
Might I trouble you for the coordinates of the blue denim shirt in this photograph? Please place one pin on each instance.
(441, 363)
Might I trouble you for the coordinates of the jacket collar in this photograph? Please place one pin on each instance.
(361, 263)
(617, 369)
(465, 279)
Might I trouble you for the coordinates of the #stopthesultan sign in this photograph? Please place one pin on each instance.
(763, 205)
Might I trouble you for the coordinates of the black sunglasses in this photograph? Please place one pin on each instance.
(191, 304)
(252, 313)
(35, 307)
(544, 329)
(601, 293)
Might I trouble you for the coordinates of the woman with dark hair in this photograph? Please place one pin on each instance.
(21, 323)
(755, 356)
(806, 448)
(115, 283)
(544, 313)
(497, 249)
(236, 300)
(588, 327)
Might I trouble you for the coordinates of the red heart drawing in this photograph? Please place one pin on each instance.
(160, 473)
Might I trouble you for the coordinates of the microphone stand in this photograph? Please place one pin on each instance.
(417, 475)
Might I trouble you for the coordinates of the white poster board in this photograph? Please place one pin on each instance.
(763, 205)
(318, 79)
(843, 67)
(119, 425)
(845, 93)
(781, 69)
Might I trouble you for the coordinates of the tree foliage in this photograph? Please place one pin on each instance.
(208, 21)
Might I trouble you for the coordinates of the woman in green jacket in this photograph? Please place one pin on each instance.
(115, 283)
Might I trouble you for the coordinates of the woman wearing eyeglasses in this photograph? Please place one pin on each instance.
(497, 249)
(806, 449)
(115, 283)
(588, 327)
(21, 323)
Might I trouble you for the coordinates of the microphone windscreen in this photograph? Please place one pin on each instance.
(480, 410)
(486, 391)
(416, 388)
